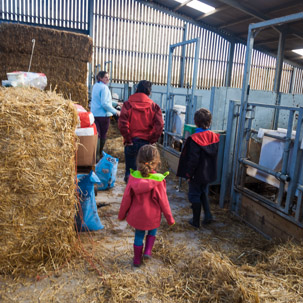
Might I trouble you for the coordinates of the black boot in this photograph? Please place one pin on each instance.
(195, 221)
(102, 143)
(208, 218)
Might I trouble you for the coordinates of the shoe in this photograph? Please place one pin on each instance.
(137, 255)
(207, 221)
(191, 222)
(149, 243)
(195, 221)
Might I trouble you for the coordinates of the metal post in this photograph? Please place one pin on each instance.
(227, 163)
(292, 80)
(244, 101)
(230, 64)
(278, 74)
(299, 210)
(286, 155)
(90, 33)
(169, 100)
(168, 95)
(111, 71)
(294, 165)
(181, 84)
(194, 81)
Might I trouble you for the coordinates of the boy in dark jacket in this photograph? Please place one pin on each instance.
(198, 164)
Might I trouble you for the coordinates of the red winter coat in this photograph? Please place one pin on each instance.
(140, 117)
(144, 200)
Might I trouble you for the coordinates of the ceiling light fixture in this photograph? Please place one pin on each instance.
(298, 51)
(198, 5)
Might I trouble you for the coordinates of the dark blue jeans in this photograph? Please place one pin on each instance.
(139, 235)
(199, 194)
(131, 152)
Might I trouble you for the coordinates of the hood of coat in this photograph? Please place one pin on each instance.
(140, 101)
(141, 184)
(207, 140)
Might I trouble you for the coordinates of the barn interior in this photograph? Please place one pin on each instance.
(241, 60)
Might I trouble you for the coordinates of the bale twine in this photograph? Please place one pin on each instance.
(37, 175)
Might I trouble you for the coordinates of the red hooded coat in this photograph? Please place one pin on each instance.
(144, 200)
(140, 117)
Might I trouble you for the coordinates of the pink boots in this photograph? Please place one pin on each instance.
(149, 243)
(137, 255)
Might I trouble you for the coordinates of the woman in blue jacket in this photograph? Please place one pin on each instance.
(101, 106)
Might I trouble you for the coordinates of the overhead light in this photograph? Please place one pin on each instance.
(199, 6)
(298, 51)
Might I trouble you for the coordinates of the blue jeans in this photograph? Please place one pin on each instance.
(198, 194)
(131, 152)
(139, 235)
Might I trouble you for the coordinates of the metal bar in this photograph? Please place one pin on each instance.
(244, 101)
(168, 96)
(292, 80)
(264, 169)
(230, 64)
(278, 74)
(299, 206)
(227, 156)
(294, 165)
(286, 156)
(277, 21)
(90, 33)
(181, 83)
(281, 107)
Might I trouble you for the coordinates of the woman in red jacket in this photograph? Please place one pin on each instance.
(140, 123)
(144, 200)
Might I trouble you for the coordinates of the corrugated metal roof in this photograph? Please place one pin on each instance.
(231, 19)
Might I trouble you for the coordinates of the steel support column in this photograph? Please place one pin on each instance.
(278, 74)
(230, 64)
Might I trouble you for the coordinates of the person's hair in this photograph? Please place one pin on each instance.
(101, 75)
(203, 118)
(144, 87)
(148, 159)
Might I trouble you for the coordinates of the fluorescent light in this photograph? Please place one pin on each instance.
(180, 1)
(200, 6)
(298, 51)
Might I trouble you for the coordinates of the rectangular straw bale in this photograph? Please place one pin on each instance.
(49, 42)
(37, 180)
(55, 68)
(68, 76)
(73, 90)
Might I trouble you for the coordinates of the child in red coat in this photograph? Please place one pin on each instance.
(144, 200)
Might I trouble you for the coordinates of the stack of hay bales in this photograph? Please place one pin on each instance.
(37, 180)
(62, 56)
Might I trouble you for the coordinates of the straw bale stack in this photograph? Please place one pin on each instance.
(37, 174)
(62, 56)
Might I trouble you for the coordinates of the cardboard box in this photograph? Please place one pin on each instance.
(86, 153)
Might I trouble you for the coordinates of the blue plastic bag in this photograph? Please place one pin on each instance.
(106, 170)
(87, 218)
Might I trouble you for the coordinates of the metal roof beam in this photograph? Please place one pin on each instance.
(277, 9)
(267, 41)
(245, 9)
(181, 5)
